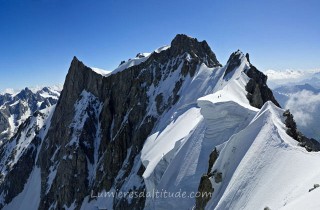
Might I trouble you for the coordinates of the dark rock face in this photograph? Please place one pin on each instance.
(212, 159)
(311, 145)
(120, 121)
(258, 91)
(206, 190)
(205, 187)
(290, 124)
(233, 62)
(4, 124)
(182, 43)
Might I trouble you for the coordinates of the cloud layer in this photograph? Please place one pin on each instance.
(305, 106)
(285, 77)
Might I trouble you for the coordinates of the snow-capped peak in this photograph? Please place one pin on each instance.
(33, 89)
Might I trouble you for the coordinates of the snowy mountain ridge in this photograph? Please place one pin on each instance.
(17, 106)
(177, 120)
(34, 89)
(257, 164)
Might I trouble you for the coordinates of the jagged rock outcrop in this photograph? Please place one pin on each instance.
(212, 159)
(310, 144)
(198, 50)
(234, 61)
(205, 189)
(258, 91)
(290, 124)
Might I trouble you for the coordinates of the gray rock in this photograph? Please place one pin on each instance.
(183, 43)
(234, 61)
(217, 177)
(310, 144)
(205, 191)
(258, 91)
(212, 159)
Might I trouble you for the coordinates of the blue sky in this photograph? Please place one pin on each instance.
(38, 38)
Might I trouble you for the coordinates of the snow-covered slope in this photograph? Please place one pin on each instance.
(309, 200)
(219, 118)
(262, 166)
(183, 137)
(19, 155)
(177, 156)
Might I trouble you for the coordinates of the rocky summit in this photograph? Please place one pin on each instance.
(172, 120)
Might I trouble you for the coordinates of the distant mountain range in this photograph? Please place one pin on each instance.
(292, 77)
(284, 92)
(17, 106)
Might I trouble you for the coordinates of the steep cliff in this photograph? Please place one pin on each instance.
(100, 123)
